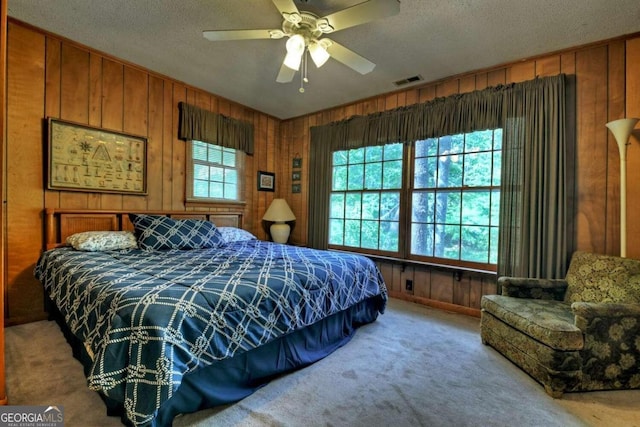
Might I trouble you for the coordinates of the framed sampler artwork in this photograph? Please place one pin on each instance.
(84, 158)
(266, 181)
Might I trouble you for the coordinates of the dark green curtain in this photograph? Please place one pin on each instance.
(534, 115)
(536, 214)
(206, 126)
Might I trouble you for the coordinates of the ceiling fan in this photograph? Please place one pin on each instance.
(305, 31)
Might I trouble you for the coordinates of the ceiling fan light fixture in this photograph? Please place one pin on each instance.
(293, 60)
(319, 53)
(323, 25)
(276, 34)
(294, 18)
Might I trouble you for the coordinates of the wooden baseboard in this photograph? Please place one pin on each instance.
(475, 312)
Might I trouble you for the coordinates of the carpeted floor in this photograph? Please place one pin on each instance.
(415, 366)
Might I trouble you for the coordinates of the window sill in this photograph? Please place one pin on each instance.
(409, 262)
(232, 204)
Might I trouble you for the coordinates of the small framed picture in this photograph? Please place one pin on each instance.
(295, 176)
(295, 188)
(297, 162)
(266, 181)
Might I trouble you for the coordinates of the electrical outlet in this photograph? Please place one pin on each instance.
(408, 285)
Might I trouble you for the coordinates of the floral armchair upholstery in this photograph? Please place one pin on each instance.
(577, 334)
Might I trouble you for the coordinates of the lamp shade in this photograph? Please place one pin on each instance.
(621, 130)
(279, 211)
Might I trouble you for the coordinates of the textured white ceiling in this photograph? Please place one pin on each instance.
(432, 38)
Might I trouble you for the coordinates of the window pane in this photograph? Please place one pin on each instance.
(452, 144)
(336, 232)
(497, 168)
(200, 172)
(199, 150)
(353, 208)
(493, 245)
(497, 139)
(476, 207)
(370, 234)
(231, 176)
(427, 147)
(393, 151)
(373, 176)
(352, 233)
(339, 178)
(448, 207)
(371, 206)
(374, 154)
(230, 191)
(393, 174)
(356, 177)
(422, 239)
(479, 141)
(450, 171)
(216, 190)
(389, 236)
(215, 155)
(200, 188)
(477, 169)
(229, 158)
(425, 172)
(390, 206)
(340, 158)
(495, 207)
(336, 207)
(475, 244)
(216, 174)
(422, 207)
(356, 156)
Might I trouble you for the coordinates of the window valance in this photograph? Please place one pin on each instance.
(206, 126)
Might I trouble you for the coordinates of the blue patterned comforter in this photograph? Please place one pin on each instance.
(148, 318)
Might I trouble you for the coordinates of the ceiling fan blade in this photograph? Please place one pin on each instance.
(285, 75)
(362, 13)
(225, 35)
(286, 7)
(349, 58)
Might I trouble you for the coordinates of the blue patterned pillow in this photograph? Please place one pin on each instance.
(160, 233)
(235, 234)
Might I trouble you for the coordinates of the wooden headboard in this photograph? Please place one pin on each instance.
(61, 223)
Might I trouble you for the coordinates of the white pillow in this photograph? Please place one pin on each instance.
(235, 234)
(96, 241)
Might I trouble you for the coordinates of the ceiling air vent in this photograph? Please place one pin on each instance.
(408, 80)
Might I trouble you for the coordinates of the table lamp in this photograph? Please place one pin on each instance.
(279, 212)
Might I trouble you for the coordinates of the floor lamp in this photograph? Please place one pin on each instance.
(621, 130)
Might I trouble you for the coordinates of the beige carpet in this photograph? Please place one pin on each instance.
(414, 366)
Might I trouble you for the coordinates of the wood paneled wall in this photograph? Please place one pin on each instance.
(51, 77)
(48, 76)
(607, 76)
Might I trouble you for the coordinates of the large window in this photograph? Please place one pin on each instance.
(452, 197)
(365, 198)
(214, 172)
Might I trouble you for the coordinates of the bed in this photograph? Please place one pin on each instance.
(173, 312)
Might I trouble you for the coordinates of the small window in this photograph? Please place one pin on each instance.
(214, 173)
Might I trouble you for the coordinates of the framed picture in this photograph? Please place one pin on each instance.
(297, 162)
(295, 176)
(266, 181)
(295, 188)
(83, 158)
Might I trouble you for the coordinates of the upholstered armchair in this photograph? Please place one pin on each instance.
(577, 334)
